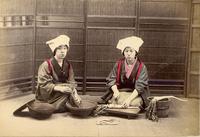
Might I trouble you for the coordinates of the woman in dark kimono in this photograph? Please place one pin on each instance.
(128, 80)
(56, 84)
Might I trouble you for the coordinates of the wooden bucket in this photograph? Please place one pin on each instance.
(162, 107)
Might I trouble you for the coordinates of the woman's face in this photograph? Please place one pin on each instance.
(129, 53)
(61, 52)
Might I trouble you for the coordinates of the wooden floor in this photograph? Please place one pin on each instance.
(183, 120)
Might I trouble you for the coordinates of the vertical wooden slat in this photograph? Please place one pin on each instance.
(85, 45)
(34, 46)
(137, 25)
(187, 62)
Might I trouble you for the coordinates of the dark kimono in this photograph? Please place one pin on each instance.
(51, 74)
(140, 84)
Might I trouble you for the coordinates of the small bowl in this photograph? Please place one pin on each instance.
(85, 109)
(40, 110)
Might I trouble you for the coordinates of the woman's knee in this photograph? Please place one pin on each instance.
(138, 102)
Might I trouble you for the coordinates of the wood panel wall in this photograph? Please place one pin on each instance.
(193, 85)
(16, 42)
(56, 17)
(164, 27)
(162, 24)
(95, 26)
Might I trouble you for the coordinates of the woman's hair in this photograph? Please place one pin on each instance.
(54, 52)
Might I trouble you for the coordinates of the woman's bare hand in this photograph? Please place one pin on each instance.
(126, 103)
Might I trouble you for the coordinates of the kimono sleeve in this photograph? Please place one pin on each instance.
(71, 79)
(142, 81)
(111, 79)
(141, 84)
(45, 80)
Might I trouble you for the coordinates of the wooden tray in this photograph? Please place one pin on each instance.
(127, 113)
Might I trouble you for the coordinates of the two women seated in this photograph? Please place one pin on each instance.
(127, 81)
